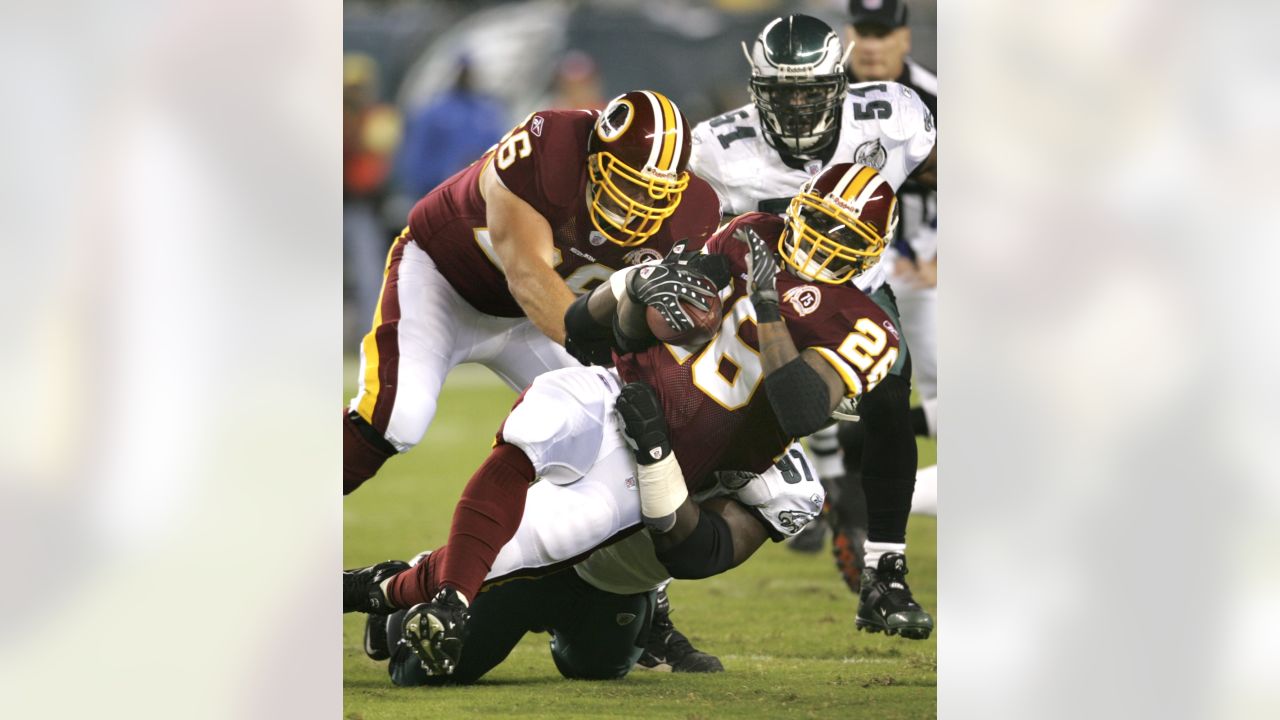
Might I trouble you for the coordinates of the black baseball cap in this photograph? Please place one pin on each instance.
(887, 13)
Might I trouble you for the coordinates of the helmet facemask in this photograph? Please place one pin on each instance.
(628, 207)
(800, 116)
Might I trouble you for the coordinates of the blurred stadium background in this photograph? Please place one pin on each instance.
(427, 87)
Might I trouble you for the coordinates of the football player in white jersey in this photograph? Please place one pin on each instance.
(804, 117)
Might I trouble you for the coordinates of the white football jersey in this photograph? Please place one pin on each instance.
(885, 125)
(785, 497)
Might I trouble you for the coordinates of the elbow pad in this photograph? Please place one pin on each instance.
(707, 551)
(586, 340)
(799, 398)
(627, 344)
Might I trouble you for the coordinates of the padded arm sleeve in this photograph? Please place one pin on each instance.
(799, 398)
(587, 341)
(707, 551)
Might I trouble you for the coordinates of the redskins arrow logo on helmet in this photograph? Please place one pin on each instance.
(636, 162)
(839, 224)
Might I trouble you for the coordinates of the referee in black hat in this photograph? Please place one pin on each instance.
(881, 41)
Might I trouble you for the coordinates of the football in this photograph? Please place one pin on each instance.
(705, 324)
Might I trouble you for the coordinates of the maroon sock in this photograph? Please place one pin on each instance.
(419, 583)
(509, 472)
(485, 518)
(363, 451)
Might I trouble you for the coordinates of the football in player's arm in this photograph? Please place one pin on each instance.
(692, 540)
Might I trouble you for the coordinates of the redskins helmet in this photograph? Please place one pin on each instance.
(636, 161)
(798, 83)
(839, 224)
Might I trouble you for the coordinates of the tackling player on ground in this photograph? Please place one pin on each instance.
(735, 404)
(800, 121)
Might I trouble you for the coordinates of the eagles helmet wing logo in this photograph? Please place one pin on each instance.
(793, 520)
(872, 154)
(805, 299)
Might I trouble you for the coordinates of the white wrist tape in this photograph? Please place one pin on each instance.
(662, 490)
(618, 282)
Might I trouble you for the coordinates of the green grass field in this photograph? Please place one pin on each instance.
(782, 623)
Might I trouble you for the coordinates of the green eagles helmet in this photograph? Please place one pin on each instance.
(798, 83)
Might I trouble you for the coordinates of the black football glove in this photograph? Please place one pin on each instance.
(714, 265)
(762, 269)
(664, 286)
(643, 424)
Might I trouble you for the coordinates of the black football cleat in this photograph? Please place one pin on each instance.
(885, 603)
(376, 645)
(361, 591)
(437, 630)
(668, 649)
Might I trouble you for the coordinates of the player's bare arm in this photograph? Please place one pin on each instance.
(692, 541)
(522, 241)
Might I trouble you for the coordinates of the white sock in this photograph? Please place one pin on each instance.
(876, 549)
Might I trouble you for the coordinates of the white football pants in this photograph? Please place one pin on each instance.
(422, 329)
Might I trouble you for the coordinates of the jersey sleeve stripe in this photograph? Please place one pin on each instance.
(847, 372)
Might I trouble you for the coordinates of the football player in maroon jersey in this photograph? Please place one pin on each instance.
(492, 258)
(836, 343)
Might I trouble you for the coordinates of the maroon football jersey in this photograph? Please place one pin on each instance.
(714, 400)
(543, 161)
